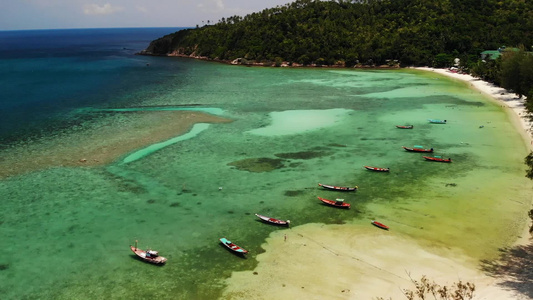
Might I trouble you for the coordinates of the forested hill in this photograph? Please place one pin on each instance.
(414, 32)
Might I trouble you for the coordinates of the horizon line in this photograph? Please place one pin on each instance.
(92, 28)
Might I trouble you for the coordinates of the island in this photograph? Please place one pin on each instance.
(356, 33)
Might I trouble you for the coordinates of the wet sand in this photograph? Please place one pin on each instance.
(100, 143)
(356, 261)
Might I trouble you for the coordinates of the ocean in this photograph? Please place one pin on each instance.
(46, 74)
(66, 228)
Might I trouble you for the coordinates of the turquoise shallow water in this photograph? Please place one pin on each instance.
(66, 231)
(195, 130)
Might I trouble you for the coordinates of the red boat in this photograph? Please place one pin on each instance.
(337, 202)
(380, 225)
(417, 149)
(405, 126)
(339, 188)
(438, 158)
(377, 169)
(274, 221)
(150, 256)
(232, 246)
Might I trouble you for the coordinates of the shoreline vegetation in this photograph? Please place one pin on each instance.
(252, 63)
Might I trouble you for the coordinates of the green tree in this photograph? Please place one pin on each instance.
(443, 60)
(510, 71)
(414, 32)
(529, 163)
(526, 75)
(517, 71)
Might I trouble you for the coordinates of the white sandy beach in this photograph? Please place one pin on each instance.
(358, 261)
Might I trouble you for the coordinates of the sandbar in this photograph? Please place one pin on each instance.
(298, 121)
(101, 143)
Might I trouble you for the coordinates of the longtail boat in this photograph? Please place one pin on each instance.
(149, 255)
(339, 188)
(438, 158)
(380, 225)
(274, 221)
(435, 121)
(405, 126)
(232, 246)
(377, 169)
(337, 202)
(417, 148)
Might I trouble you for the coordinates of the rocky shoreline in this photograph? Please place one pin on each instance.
(253, 63)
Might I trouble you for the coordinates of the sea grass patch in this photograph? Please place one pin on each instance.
(295, 164)
(258, 165)
(293, 193)
(302, 154)
(337, 145)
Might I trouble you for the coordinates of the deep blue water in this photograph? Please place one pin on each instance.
(45, 74)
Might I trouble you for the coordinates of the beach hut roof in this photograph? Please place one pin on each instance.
(492, 54)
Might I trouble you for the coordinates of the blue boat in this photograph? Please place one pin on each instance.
(232, 246)
(435, 121)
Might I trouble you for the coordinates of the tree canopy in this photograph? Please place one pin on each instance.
(414, 32)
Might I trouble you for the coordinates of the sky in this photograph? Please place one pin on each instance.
(61, 14)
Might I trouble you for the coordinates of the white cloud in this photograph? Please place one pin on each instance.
(95, 9)
(211, 6)
(141, 9)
